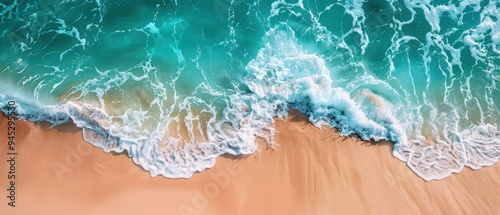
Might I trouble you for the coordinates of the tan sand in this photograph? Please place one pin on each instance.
(312, 172)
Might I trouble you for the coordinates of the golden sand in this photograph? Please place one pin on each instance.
(313, 171)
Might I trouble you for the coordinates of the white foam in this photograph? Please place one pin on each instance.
(283, 76)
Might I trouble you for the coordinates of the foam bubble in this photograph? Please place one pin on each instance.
(418, 73)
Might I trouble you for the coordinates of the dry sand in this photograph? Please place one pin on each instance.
(313, 171)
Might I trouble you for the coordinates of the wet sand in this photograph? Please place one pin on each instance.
(313, 171)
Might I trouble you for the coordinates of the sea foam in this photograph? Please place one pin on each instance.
(175, 88)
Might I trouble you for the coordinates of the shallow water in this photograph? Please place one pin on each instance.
(176, 84)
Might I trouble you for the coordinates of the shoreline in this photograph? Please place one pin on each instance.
(312, 171)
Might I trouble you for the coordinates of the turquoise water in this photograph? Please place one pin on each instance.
(175, 84)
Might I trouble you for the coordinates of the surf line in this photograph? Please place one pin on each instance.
(11, 153)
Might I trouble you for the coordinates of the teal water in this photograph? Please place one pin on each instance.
(176, 84)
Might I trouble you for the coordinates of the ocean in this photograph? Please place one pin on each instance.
(176, 84)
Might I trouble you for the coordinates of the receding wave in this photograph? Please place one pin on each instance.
(177, 84)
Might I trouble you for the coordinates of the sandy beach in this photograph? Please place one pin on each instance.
(313, 171)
